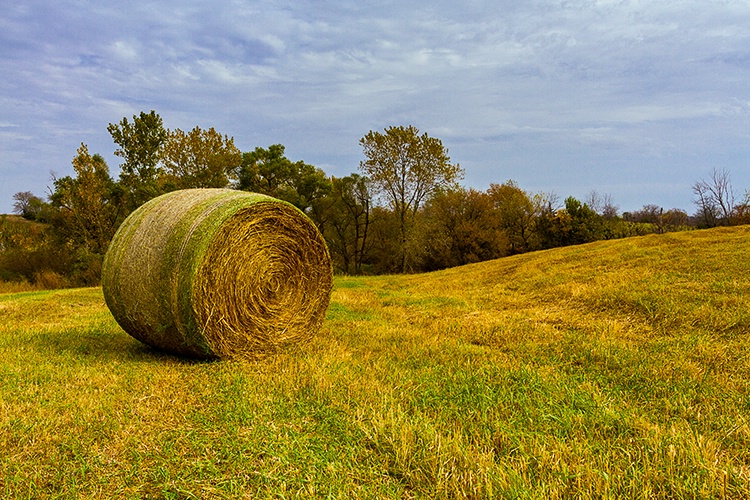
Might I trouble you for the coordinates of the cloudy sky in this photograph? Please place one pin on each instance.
(635, 99)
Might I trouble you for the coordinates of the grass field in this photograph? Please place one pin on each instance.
(610, 370)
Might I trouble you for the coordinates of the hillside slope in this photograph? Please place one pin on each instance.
(660, 283)
(616, 369)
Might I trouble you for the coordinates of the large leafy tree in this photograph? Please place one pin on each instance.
(516, 212)
(406, 168)
(199, 159)
(269, 171)
(139, 145)
(463, 228)
(89, 208)
(266, 171)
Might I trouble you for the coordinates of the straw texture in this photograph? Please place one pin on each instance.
(218, 273)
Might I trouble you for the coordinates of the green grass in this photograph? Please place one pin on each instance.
(610, 370)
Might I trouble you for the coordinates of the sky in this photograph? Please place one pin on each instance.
(637, 100)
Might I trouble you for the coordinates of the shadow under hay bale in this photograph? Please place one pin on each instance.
(218, 273)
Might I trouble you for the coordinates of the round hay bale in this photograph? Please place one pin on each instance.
(218, 273)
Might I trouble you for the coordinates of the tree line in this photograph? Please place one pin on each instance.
(404, 211)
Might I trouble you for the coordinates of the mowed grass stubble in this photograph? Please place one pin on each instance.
(610, 370)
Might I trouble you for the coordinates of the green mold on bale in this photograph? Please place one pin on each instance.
(218, 273)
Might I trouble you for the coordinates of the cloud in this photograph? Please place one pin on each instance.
(535, 88)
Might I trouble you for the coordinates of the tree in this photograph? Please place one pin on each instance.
(576, 223)
(586, 224)
(602, 204)
(463, 227)
(28, 206)
(517, 213)
(269, 171)
(348, 222)
(715, 199)
(675, 219)
(741, 213)
(89, 208)
(28, 253)
(266, 171)
(383, 233)
(649, 214)
(198, 159)
(140, 144)
(406, 168)
(310, 185)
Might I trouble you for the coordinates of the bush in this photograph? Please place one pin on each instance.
(50, 280)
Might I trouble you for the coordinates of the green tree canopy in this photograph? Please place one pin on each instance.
(269, 171)
(140, 143)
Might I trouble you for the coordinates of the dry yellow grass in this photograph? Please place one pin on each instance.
(611, 370)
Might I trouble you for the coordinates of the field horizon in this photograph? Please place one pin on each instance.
(614, 369)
